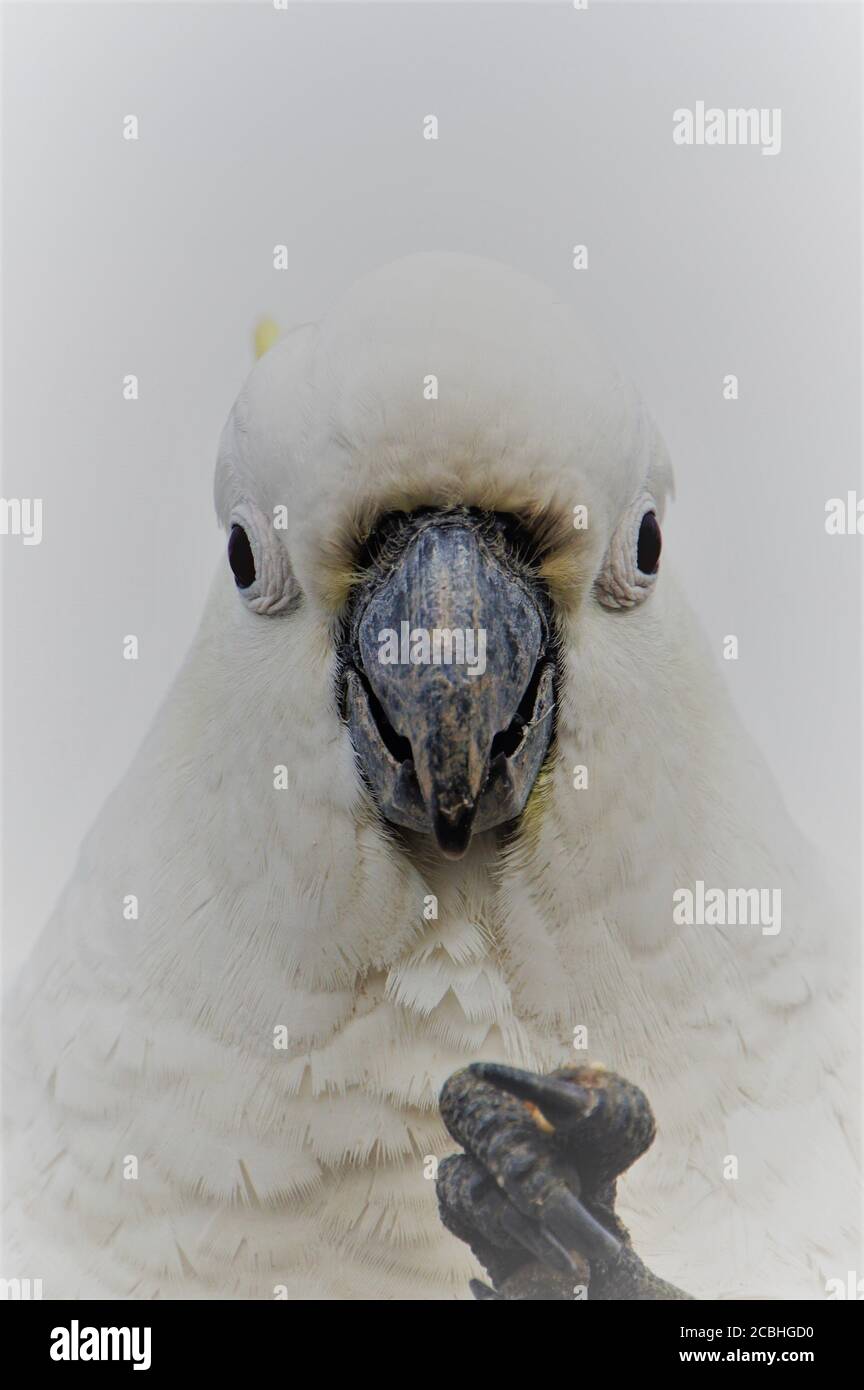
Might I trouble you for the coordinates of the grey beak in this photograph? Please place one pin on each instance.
(447, 647)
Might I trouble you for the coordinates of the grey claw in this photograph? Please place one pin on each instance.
(558, 1101)
(483, 1291)
(541, 1243)
(575, 1227)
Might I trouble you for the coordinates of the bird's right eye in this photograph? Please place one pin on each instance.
(240, 558)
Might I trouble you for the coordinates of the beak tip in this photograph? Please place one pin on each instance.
(453, 832)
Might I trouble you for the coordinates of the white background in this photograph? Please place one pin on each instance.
(305, 127)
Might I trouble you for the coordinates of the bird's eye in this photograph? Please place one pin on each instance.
(649, 544)
(260, 562)
(632, 561)
(240, 558)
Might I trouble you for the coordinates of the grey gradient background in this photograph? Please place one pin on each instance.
(260, 127)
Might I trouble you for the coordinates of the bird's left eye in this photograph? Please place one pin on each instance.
(633, 559)
(649, 544)
(240, 558)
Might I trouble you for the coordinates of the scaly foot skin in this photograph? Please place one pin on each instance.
(534, 1192)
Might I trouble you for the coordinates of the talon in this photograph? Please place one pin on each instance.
(541, 1242)
(556, 1100)
(483, 1291)
(534, 1146)
(574, 1225)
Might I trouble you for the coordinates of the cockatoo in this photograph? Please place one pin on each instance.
(361, 877)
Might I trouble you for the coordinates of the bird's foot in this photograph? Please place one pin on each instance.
(534, 1192)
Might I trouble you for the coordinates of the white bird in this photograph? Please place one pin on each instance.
(235, 1094)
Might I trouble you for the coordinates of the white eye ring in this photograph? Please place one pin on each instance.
(621, 583)
(274, 589)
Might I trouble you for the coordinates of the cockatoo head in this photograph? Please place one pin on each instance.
(444, 483)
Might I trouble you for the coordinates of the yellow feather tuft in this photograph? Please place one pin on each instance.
(535, 807)
(266, 335)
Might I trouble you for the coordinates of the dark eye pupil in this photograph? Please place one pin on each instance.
(240, 558)
(649, 544)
